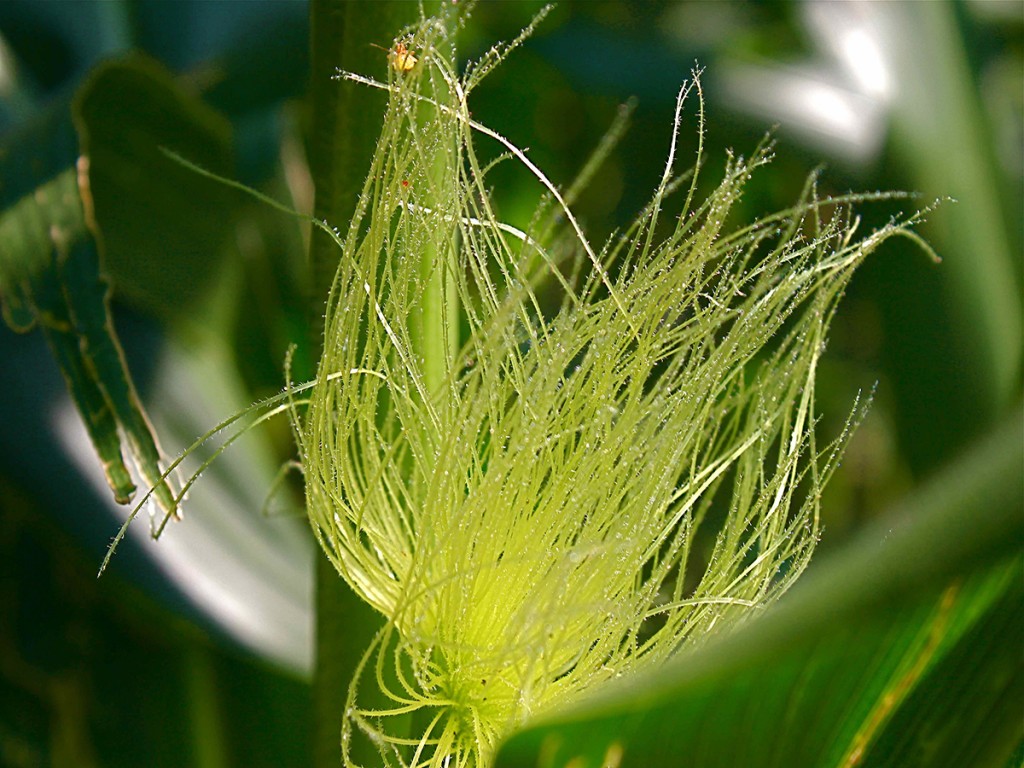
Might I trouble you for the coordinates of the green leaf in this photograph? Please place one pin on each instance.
(903, 650)
(163, 226)
(50, 271)
(50, 276)
(940, 133)
(29, 230)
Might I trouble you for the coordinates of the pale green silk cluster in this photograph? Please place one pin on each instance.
(548, 464)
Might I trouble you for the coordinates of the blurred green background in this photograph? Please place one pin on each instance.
(197, 650)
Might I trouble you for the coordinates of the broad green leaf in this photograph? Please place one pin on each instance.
(904, 650)
(163, 226)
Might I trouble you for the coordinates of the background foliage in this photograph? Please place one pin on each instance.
(203, 656)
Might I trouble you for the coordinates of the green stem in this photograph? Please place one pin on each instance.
(346, 123)
(208, 729)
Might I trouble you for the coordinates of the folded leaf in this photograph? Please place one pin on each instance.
(50, 276)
